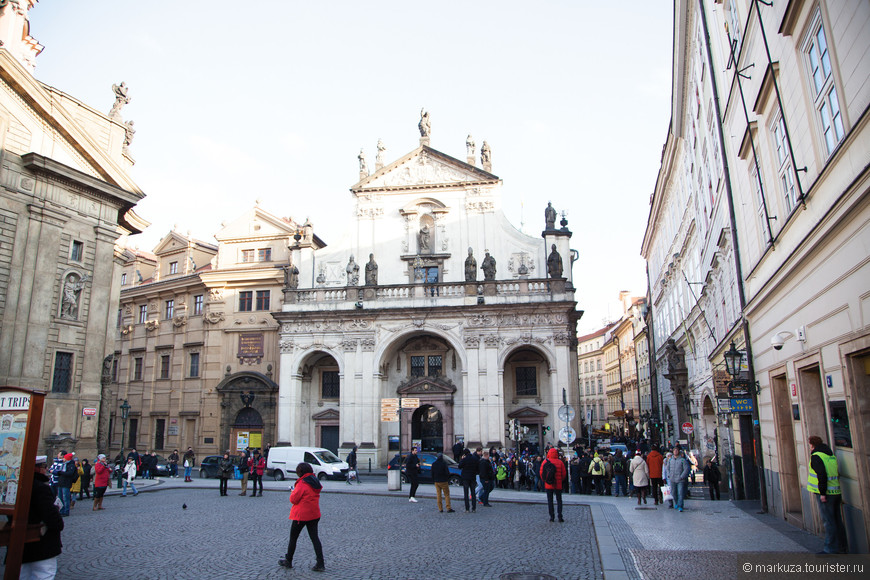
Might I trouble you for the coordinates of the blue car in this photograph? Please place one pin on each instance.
(426, 460)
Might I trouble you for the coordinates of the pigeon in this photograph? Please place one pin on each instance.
(184, 506)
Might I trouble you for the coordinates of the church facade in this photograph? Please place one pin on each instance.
(433, 320)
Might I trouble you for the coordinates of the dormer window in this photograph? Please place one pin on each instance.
(264, 255)
(247, 255)
(173, 267)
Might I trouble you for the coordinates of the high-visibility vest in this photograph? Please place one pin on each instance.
(830, 462)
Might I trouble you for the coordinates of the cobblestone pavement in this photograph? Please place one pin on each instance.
(364, 536)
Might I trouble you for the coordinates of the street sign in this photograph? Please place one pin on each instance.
(410, 403)
(389, 410)
(688, 428)
(567, 435)
(89, 411)
(724, 405)
(741, 405)
(566, 413)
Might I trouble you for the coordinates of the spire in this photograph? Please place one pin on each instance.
(15, 32)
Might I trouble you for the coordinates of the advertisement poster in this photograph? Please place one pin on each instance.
(13, 426)
(242, 440)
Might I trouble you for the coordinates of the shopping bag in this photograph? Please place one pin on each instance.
(666, 493)
(236, 473)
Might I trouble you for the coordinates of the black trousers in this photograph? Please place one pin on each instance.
(714, 489)
(256, 479)
(558, 494)
(295, 530)
(415, 483)
(469, 486)
(223, 486)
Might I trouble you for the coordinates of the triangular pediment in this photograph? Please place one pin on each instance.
(423, 168)
(256, 223)
(171, 242)
(527, 413)
(422, 386)
(327, 415)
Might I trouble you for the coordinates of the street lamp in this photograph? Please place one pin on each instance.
(733, 364)
(733, 360)
(125, 412)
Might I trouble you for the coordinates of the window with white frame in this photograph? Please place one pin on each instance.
(825, 93)
(170, 309)
(77, 251)
(197, 305)
(173, 267)
(143, 313)
(755, 181)
(785, 170)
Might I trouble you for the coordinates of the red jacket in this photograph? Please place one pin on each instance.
(257, 465)
(553, 457)
(654, 461)
(103, 473)
(305, 498)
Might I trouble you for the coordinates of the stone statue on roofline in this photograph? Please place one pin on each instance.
(121, 99)
(424, 125)
(488, 267)
(550, 216)
(554, 263)
(371, 271)
(470, 267)
(352, 271)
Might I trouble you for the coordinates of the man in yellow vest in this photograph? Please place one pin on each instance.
(824, 482)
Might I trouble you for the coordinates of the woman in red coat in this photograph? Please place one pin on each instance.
(101, 480)
(305, 513)
(554, 488)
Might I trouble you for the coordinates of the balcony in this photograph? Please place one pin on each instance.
(444, 294)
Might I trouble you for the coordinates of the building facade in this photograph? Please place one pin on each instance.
(66, 199)
(590, 367)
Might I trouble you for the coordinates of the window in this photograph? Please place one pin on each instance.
(76, 251)
(264, 255)
(599, 364)
(164, 366)
(826, 101)
(247, 255)
(120, 319)
(426, 365)
(143, 313)
(197, 305)
(418, 366)
(114, 373)
(124, 279)
(194, 364)
(600, 386)
(840, 424)
(170, 309)
(755, 179)
(173, 267)
(786, 174)
(329, 385)
(138, 365)
(245, 299)
(62, 380)
(527, 381)
(263, 299)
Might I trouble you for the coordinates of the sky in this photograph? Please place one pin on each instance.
(271, 100)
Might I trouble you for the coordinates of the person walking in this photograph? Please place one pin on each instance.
(487, 477)
(655, 462)
(245, 470)
(56, 467)
(619, 469)
(76, 488)
(678, 477)
(39, 558)
(130, 475)
(85, 477)
(189, 462)
(258, 467)
(351, 466)
(823, 481)
(469, 466)
(305, 513)
(173, 463)
(596, 468)
(102, 480)
(412, 472)
(552, 474)
(225, 472)
(639, 471)
(457, 451)
(441, 479)
(66, 476)
(712, 479)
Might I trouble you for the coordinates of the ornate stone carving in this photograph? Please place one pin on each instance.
(379, 157)
(492, 340)
(73, 284)
(550, 217)
(214, 317)
(216, 295)
(481, 320)
(472, 341)
(151, 325)
(425, 124)
(521, 264)
(179, 321)
(352, 271)
(349, 345)
(127, 329)
(286, 346)
(562, 339)
(368, 344)
(488, 267)
(479, 206)
(121, 99)
(526, 338)
(371, 271)
(369, 212)
(470, 267)
(554, 263)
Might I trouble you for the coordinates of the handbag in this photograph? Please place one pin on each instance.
(186, 463)
(666, 493)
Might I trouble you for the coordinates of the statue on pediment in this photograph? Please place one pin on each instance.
(469, 147)
(554, 263)
(371, 271)
(470, 267)
(488, 267)
(363, 167)
(485, 154)
(425, 124)
(121, 99)
(291, 276)
(352, 272)
(129, 132)
(379, 157)
(550, 216)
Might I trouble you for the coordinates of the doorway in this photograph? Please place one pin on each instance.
(159, 430)
(783, 417)
(329, 437)
(427, 426)
(247, 430)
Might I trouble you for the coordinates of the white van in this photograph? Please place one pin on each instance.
(282, 462)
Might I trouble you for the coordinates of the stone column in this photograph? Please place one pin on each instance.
(351, 392)
(289, 401)
(471, 416)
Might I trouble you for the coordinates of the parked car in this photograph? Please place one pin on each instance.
(162, 466)
(282, 462)
(426, 460)
(208, 467)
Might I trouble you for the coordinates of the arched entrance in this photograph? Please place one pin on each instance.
(247, 403)
(427, 427)
(247, 430)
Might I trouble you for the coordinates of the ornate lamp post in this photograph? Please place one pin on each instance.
(125, 412)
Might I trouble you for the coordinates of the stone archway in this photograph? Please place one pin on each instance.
(248, 403)
(435, 393)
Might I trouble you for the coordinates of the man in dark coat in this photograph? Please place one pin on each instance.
(39, 559)
(351, 465)
(441, 479)
(470, 466)
(487, 478)
(457, 450)
(412, 472)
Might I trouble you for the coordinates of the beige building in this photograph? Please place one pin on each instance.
(590, 367)
(65, 200)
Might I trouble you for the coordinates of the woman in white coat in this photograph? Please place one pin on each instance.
(130, 475)
(639, 471)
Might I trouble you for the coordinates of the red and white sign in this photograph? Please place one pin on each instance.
(794, 389)
(688, 428)
(89, 412)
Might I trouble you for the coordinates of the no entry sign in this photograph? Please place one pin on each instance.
(688, 428)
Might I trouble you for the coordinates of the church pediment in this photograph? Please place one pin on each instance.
(424, 167)
(422, 386)
(327, 415)
(527, 413)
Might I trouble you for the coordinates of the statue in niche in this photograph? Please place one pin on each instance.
(121, 99)
(554, 263)
(469, 147)
(485, 154)
(424, 237)
(72, 291)
(352, 272)
(371, 271)
(550, 216)
(424, 125)
(470, 267)
(291, 276)
(488, 267)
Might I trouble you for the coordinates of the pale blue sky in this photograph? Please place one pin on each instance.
(272, 100)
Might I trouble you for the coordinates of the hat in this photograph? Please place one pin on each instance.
(101, 456)
(68, 457)
(43, 459)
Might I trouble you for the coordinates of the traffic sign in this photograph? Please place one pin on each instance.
(567, 435)
(566, 413)
(89, 411)
(688, 428)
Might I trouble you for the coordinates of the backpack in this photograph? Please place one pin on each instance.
(619, 466)
(549, 473)
(72, 472)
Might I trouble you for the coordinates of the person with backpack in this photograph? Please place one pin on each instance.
(67, 475)
(619, 473)
(585, 474)
(596, 468)
(470, 467)
(552, 474)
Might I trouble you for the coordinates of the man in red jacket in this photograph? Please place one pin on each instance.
(305, 513)
(553, 484)
(654, 461)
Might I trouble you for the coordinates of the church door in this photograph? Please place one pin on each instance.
(428, 427)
